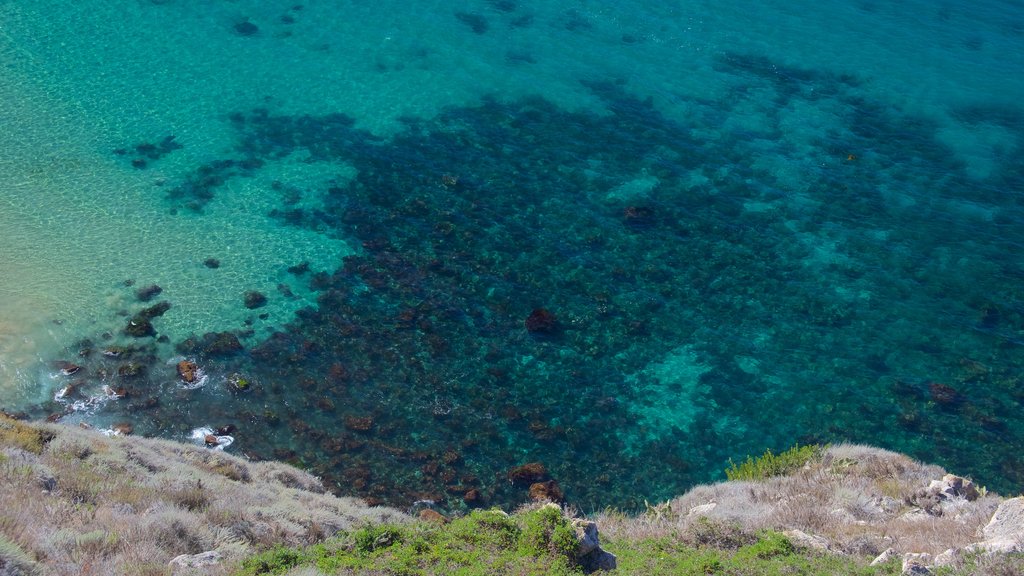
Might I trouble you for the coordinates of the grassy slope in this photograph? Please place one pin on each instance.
(73, 501)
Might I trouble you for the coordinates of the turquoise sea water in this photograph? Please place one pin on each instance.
(747, 227)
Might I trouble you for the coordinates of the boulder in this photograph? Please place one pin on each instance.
(1005, 531)
(146, 294)
(550, 491)
(220, 344)
(541, 321)
(188, 371)
(429, 515)
(950, 557)
(916, 564)
(200, 560)
(240, 383)
(359, 423)
(67, 368)
(154, 311)
(952, 486)
(702, 510)
(528, 473)
(254, 299)
(131, 370)
(588, 547)
(139, 328)
(884, 557)
(802, 539)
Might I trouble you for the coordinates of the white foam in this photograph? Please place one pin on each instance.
(199, 436)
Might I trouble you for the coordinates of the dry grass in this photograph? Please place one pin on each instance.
(73, 501)
(862, 500)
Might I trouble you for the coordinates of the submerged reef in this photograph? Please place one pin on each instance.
(625, 297)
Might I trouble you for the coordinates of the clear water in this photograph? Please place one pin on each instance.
(753, 225)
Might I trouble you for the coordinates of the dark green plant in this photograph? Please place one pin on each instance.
(770, 464)
(374, 538)
(769, 545)
(276, 561)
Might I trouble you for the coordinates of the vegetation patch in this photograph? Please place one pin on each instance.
(769, 464)
(23, 436)
(540, 541)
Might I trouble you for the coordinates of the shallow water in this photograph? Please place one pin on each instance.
(751, 227)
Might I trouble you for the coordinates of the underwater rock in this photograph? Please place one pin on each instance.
(246, 28)
(359, 423)
(138, 328)
(131, 370)
(239, 383)
(225, 430)
(211, 263)
(188, 371)
(477, 23)
(154, 311)
(944, 395)
(528, 473)
(115, 351)
(549, 491)
(638, 216)
(504, 5)
(221, 344)
(148, 293)
(471, 497)
(254, 299)
(299, 269)
(541, 321)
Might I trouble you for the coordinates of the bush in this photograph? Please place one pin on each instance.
(769, 545)
(28, 438)
(276, 561)
(769, 464)
(546, 530)
(374, 538)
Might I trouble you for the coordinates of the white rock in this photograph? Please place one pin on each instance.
(1005, 531)
(702, 510)
(805, 540)
(948, 558)
(884, 557)
(200, 560)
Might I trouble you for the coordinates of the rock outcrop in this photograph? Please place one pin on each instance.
(1005, 531)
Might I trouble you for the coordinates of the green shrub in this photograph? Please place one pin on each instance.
(374, 538)
(276, 561)
(546, 530)
(769, 464)
(24, 436)
(769, 545)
